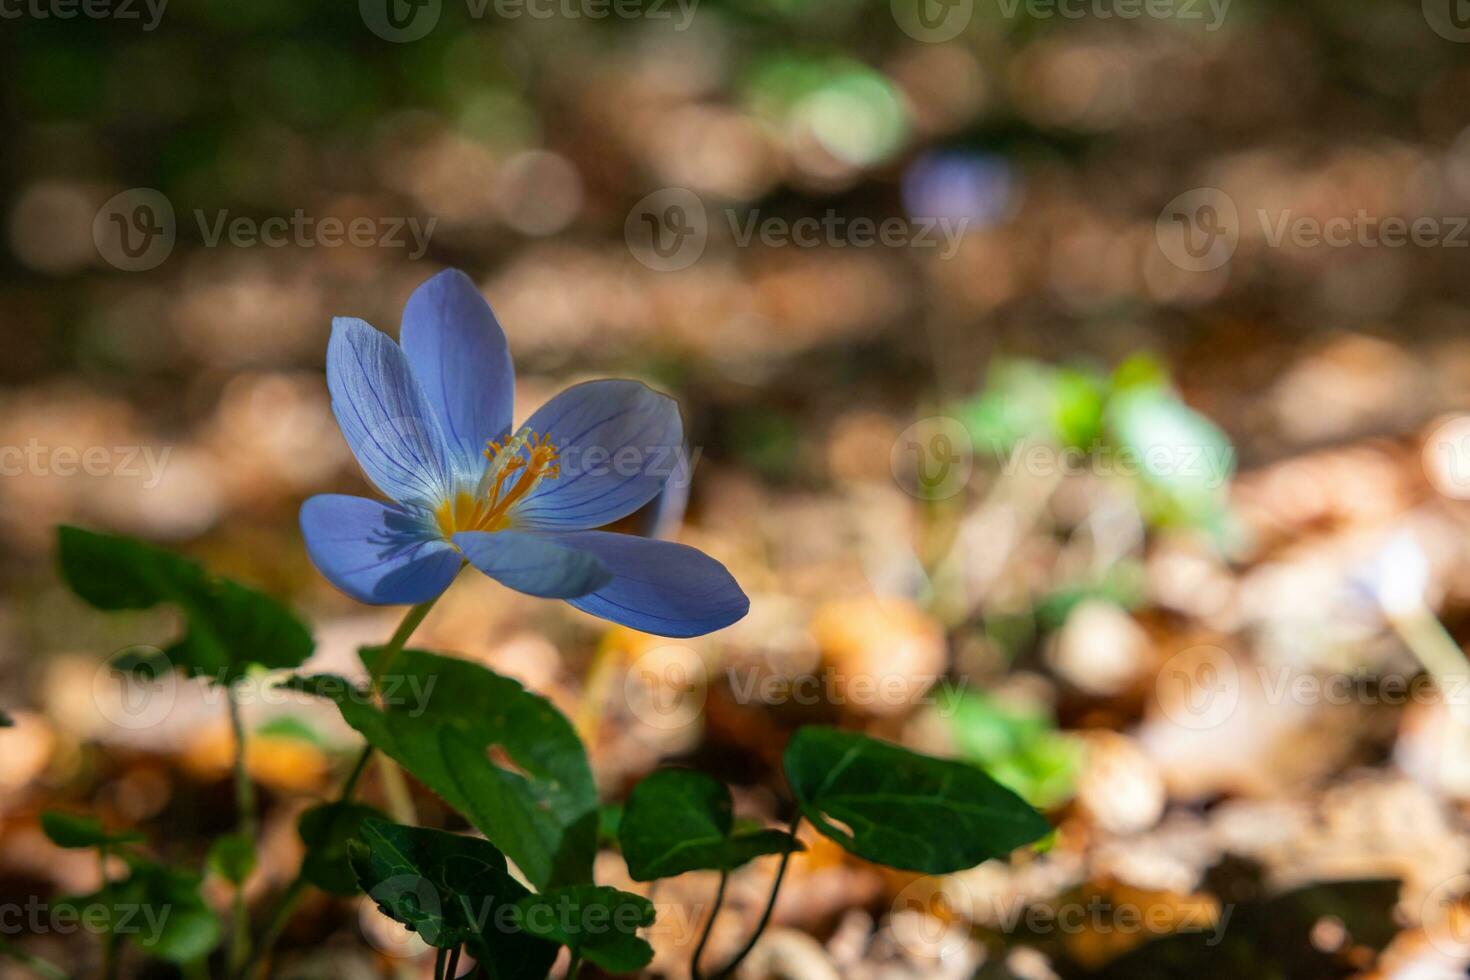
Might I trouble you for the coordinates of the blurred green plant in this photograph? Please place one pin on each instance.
(1177, 461)
(1017, 743)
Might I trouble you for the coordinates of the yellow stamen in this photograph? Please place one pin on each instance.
(488, 509)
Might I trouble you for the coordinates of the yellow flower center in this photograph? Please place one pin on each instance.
(514, 470)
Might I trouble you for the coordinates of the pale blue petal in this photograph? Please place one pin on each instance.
(385, 416)
(377, 553)
(533, 563)
(658, 586)
(459, 355)
(619, 442)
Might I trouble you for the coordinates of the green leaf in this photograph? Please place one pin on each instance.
(74, 830)
(158, 908)
(896, 807)
(596, 922)
(442, 717)
(230, 626)
(1016, 743)
(450, 889)
(6, 721)
(1175, 446)
(232, 857)
(326, 831)
(679, 820)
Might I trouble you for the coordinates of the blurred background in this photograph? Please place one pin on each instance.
(1073, 386)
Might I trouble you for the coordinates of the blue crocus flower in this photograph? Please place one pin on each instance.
(430, 423)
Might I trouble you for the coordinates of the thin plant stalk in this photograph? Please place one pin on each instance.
(765, 919)
(246, 826)
(709, 925)
(292, 896)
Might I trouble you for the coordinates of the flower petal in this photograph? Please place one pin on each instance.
(658, 586)
(459, 355)
(533, 563)
(619, 442)
(384, 415)
(377, 553)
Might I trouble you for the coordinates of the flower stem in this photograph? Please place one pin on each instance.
(760, 926)
(289, 899)
(451, 969)
(709, 925)
(246, 825)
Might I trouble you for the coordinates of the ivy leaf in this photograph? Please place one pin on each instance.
(232, 857)
(450, 889)
(596, 922)
(442, 718)
(326, 831)
(230, 626)
(74, 830)
(158, 908)
(896, 807)
(679, 820)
